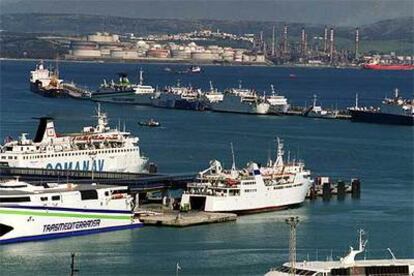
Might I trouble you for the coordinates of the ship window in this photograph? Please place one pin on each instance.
(10, 157)
(89, 194)
(3, 157)
(15, 199)
(15, 157)
(56, 197)
(43, 198)
(106, 193)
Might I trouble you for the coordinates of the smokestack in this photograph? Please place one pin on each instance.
(285, 39)
(325, 40)
(302, 41)
(331, 45)
(273, 41)
(356, 43)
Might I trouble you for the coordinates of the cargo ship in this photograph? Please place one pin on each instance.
(239, 100)
(179, 97)
(389, 65)
(394, 111)
(46, 82)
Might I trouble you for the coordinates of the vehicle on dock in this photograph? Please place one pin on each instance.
(347, 265)
(124, 91)
(29, 212)
(393, 111)
(95, 148)
(240, 100)
(46, 82)
(278, 185)
(150, 123)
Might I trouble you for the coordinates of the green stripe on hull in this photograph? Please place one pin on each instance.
(62, 215)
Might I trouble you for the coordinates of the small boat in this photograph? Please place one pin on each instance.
(150, 123)
(292, 76)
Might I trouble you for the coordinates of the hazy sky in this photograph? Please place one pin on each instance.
(338, 12)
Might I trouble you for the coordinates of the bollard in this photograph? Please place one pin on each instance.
(341, 190)
(356, 188)
(326, 191)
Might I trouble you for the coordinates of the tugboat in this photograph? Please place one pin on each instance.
(394, 111)
(347, 265)
(46, 82)
(278, 185)
(316, 111)
(150, 123)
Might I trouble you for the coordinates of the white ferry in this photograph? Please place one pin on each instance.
(98, 148)
(278, 103)
(253, 189)
(29, 212)
(348, 265)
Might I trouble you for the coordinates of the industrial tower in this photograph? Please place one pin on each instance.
(292, 222)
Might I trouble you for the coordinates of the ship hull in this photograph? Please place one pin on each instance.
(122, 97)
(276, 199)
(388, 67)
(176, 102)
(105, 160)
(52, 92)
(381, 118)
(233, 104)
(32, 223)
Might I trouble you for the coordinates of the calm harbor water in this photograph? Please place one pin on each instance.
(382, 156)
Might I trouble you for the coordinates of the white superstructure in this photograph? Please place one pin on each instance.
(348, 265)
(29, 212)
(98, 148)
(253, 189)
(141, 89)
(44, 78)
(278, 103)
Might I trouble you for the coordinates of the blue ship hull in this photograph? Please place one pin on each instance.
(381, 118)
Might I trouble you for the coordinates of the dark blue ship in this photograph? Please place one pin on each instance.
(393, 111)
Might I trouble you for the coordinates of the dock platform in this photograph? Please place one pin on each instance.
(180, 219)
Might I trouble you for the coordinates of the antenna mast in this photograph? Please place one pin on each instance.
(292, 222)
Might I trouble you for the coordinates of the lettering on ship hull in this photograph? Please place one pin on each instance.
(96, 165)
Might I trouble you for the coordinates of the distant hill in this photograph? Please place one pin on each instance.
(396, 35)
(393, 29)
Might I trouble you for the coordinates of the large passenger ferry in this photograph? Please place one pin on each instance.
(29, 212)
(97, 148)
(253, 189)
(124, 91)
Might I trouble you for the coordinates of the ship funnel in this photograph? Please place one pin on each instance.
(45, 130)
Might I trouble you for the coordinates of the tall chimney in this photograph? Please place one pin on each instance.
(356, 43)
(273, 41)
(302, 41)
(285, 39)
(331, 45)
(325, 40)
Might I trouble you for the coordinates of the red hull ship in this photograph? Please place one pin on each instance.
(372, 66)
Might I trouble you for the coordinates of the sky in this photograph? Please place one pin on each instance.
(337, 12)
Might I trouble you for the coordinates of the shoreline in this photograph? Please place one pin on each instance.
(185, 62)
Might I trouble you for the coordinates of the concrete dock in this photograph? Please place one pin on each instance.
(181, 219)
